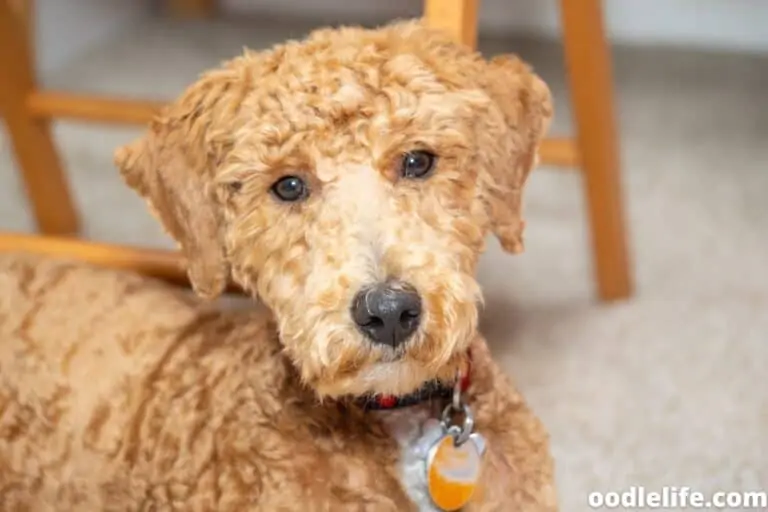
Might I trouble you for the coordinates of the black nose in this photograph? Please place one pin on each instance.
(387, 313)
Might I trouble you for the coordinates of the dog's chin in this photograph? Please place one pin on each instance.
(386, 378)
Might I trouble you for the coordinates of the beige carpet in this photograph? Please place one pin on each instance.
(668, 389)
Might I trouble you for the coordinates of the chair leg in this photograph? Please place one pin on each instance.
(31, 138)
(588, 61)
(25, 14)
(192, 9)
(457, 17)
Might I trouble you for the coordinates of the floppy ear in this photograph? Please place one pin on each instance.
(172, 166)
(526, 104)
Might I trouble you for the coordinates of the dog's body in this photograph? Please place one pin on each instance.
(349, 182)
(119, 393)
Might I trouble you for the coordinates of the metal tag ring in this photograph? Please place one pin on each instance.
(466, 428)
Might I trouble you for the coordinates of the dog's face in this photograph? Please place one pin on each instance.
(349, 181)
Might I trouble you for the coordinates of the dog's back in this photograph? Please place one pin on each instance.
(68, 337)
(86, 356)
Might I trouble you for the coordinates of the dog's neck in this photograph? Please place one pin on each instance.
(431, 391)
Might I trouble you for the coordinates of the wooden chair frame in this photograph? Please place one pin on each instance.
(28, 111)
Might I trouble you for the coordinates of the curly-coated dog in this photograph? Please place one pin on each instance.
(348, 181)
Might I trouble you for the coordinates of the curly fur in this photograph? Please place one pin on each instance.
(119, 393)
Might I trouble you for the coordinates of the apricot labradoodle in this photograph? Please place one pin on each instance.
(348, 181)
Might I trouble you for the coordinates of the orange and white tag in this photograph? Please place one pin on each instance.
(453, 470)
(455, 454)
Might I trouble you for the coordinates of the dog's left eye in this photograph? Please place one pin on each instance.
(417, 164)
(290, 189)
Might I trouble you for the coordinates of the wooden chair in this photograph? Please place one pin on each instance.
(28, 111)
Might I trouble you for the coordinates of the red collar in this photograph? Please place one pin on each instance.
(431, 390)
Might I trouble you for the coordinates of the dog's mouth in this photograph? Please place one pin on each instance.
(392, 375)
(392, 355)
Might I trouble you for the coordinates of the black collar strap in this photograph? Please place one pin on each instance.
(432, 390)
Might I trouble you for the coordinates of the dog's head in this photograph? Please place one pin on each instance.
(349, 181)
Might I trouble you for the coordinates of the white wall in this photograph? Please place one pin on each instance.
(723, 24)
(64, 28)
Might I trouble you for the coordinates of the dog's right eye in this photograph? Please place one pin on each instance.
(290, 189)
(417, 164)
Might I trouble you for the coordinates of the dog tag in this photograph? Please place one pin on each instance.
(453, 465)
